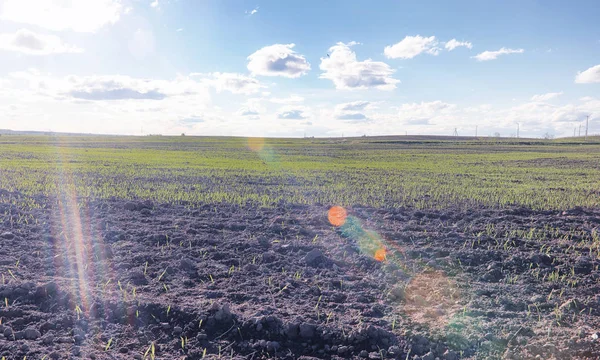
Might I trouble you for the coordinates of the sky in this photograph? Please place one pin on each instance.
(308, 68)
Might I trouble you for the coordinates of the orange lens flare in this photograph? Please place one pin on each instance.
(256, 144)
(337, 216)
(380, 254)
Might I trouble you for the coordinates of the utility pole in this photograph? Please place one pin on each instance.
(517, 130)
(575, 128)
(579, 130)
(587, 123)
(455, 132)
(475, 130)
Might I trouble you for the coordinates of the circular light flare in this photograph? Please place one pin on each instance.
(337, 216)
(256, 144)
(380, 254)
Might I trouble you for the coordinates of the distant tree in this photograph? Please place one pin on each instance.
(182, 134)
(548, 136)
(497, 134)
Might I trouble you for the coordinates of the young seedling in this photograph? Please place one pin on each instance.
(108, 344)
(163, 274)
(78, 312)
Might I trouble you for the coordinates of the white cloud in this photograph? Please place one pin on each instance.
(453, 44)
(278, 60)
(493, 55)
(353, 106)
(546, 97)
(426, 112)
(287, 100)
(412, 46)
(346, 72)
(179, 30)
(236, 83)
(154, 4)
(80, 16)
(252, 12)
(591, 75)
(292, 114)
(28, 42)
(352, 111)
(353, 116)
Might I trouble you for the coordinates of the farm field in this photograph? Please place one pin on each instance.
(375, 247)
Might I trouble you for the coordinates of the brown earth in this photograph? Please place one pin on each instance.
(116, 279)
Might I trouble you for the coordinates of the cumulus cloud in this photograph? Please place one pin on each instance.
(293, 114)
(236, 83)
(546, 97)
(29, 42)
(591, 75)
(79, 16)
(411, 46)
(352, 111)
(248, 112)
(108, 87)
(346, 72)
(278, 60)
(453, 44)
(425, 112)
(353, 106)
(98, 88)
(493, 55)
(352, 116)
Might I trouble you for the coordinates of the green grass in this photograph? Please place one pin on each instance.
(420, 172)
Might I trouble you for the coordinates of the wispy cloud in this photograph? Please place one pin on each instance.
(546, 97)
(493, 55)
(453, 44)
(29, 42)
(252, 12)
(411, 46)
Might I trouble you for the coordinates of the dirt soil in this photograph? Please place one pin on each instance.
(135, 280)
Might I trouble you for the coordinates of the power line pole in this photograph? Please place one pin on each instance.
(455, 132)
(476, 130)
(587, 123)
(517, 130)
(579, 130)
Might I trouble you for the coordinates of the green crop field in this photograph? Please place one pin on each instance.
(379, 172)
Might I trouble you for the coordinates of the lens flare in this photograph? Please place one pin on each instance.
(256, 144)
(432, 298)
(337, 216)
(264, 151)
(380, 254)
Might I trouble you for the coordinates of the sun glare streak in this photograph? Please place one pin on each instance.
(72, 230)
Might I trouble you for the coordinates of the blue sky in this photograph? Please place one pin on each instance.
(279, 68)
